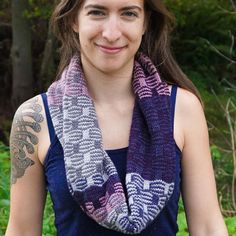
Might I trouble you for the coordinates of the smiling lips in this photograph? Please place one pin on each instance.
(110, 50)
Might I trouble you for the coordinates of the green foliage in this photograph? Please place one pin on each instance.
(215, 153)
(48, 220)
(48, 223)
(200, 26)
(183, 229)
(231, 225)
(6, 129)
(4, 10)
(39, 9)
(4, 186)
(181, 220)
(204, 30)
(215, 98)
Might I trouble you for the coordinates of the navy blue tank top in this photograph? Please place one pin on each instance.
(70, 220)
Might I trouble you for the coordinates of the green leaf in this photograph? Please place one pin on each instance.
(215, 152)
(4, 202)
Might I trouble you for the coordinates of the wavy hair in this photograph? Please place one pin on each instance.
(155, 42)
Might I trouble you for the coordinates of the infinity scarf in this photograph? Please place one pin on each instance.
(92, 178)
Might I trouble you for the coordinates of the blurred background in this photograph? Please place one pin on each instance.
(203, 42)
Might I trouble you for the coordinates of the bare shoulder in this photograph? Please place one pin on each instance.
(28, 189)
(188, 102)
(189, 117)
(197, 170)
(29, 116)
(189, 110)
(33, 104)
(26, 127)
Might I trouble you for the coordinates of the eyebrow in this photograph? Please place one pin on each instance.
(101, 7)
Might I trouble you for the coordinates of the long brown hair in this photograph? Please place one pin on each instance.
(155, 42)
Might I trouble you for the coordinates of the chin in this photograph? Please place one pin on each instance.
(110, 68)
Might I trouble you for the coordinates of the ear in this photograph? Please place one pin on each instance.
(75, 27)
(75, 24)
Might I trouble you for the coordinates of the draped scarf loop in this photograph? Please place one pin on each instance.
(92, 178)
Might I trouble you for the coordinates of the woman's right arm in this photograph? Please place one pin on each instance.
(28, 192)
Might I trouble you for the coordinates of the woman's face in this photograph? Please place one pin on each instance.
(110, 33)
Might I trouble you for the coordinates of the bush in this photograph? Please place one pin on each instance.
(4, 186)
(198, 23)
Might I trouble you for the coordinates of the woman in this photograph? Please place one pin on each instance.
(110, 96)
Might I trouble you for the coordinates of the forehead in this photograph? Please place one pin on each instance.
(113, 3)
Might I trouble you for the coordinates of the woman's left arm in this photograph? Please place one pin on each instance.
(198, 183)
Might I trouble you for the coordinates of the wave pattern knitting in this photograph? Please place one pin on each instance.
(91, 175)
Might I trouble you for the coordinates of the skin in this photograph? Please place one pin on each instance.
(110, 33)
(28, 191)
(109, 37)
(24, 138)
(198, 184)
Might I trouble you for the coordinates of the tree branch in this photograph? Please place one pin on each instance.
(220, 53)
(233, 5)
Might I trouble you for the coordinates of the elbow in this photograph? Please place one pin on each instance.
(216, 228)
(17, 230)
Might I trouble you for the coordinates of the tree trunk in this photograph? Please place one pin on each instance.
(47, 70)
(22, 82)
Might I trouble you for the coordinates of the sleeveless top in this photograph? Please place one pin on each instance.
(70, 220)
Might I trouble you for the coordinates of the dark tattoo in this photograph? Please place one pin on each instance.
(23, 138)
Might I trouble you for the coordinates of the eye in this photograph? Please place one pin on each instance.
(96, 13)
(130, 14)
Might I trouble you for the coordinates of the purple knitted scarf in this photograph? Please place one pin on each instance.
(92, 177)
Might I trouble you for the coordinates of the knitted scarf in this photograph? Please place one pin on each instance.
(92, 177)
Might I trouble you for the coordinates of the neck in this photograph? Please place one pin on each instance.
(109, 87)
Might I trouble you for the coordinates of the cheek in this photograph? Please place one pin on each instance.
(134, 31)
(134, 35)
(85, 36)
(89, 30)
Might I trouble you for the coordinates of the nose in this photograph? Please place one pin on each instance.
(111, 29)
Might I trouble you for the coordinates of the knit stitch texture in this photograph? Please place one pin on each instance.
(91, 175)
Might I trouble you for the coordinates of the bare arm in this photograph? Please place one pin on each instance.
(198, 184)
(28, 193)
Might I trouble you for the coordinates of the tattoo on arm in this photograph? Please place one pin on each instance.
(23, 137)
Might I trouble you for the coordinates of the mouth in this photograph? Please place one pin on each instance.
(109, 49)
